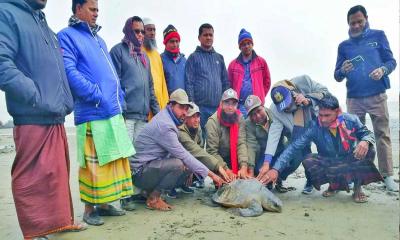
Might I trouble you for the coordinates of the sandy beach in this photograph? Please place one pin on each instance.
(303, 217)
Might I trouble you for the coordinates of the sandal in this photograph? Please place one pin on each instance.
(77, 227)
(329, 193)
(159, 204)
(360, 197)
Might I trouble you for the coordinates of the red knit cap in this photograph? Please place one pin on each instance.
(170, 32)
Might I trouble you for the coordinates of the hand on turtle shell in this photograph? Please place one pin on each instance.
(243, 173)
(271, 176)
(263, 170)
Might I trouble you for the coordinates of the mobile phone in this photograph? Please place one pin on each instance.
(357, 60)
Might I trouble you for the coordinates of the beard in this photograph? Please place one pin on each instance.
(230, 118)
(150, 44)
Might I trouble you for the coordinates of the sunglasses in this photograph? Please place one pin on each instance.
(137, 31)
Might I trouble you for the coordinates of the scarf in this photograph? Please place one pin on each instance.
(73, 20)
(344, 133)
(135, 47)
(174, 118)
(233, 137)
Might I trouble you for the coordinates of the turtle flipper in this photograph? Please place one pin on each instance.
(255, 209)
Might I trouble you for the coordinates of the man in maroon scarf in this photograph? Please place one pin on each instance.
(226, 136)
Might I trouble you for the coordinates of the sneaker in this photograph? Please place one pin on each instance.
(127, 204)
(308, 188)
(198, 184)
(93, 218)
(187, 189)
(172, 194)
(351, 185)
(390, 184)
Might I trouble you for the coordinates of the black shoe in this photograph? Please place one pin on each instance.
(308, 188)
(110, 211)
(172, 194)
(127, 204)
(198, 184)
(187, 189)
(138, 198)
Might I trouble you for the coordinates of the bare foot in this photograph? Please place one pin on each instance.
(360, 197)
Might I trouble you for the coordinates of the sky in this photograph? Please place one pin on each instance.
(295, 37)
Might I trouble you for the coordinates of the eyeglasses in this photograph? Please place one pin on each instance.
(137, 31)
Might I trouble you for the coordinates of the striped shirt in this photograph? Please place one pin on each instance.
(206, 77)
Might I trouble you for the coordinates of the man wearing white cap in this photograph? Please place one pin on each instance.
(226, 136)
(156, 66)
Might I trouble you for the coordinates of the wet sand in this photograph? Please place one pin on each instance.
(303, 217)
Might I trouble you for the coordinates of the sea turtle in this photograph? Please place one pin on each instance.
(248, 198)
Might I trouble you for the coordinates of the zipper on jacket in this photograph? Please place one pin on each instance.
(51, 46)
(109, 64)
(144, 87)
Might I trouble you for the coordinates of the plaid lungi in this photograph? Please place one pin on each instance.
(339, 172)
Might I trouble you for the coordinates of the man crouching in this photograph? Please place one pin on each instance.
(345, 152)
(161, 163)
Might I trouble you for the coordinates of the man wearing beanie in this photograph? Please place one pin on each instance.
(173, 60)
(157, 70)
(248, 73)
(133, 69)
(206, 77)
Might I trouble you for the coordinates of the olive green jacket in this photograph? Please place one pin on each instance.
(218, 141)
(257, 137)
(193, 143)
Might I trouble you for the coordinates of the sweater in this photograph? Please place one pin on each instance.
(206, 77)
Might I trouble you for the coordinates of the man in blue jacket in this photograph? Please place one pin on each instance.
(345, 152)
(365, 60)
(206, 77)
(38, 98)
(103, 144)
(173, 60)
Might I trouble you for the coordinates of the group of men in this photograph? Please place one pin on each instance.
(142, 118)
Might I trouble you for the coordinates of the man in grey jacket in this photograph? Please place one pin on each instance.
(133, 69)
(292, 111)
(161, 162)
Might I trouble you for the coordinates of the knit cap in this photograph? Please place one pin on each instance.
(244, 35)
(170, 32)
